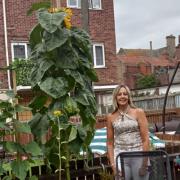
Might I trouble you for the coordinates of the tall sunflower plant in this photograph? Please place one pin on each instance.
(62, 74)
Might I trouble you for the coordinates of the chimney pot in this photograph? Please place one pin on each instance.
(171, 46)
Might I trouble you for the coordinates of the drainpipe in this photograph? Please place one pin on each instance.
(6, 41)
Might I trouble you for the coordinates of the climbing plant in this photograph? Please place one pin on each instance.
(62, 74)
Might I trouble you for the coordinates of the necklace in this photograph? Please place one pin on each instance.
(122, 113)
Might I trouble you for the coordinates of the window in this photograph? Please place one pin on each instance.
(93, 4)
(104, 103)
(98, 55)
(20, 50)
(74, 3)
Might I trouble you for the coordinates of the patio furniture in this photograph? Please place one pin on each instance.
(158, 167)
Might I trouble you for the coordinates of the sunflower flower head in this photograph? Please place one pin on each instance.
(67, 19)
(57, 113)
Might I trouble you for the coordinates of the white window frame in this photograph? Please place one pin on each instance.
(96, 8)
(79, 6)
(21, 44)
(75, 6)
(94, 55)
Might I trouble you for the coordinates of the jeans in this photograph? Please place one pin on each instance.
(132, 167)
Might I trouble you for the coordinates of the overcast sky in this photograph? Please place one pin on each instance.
(140, 21)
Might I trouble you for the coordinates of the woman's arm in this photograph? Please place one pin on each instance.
(110, 142)
(144, 132)
(143, 126)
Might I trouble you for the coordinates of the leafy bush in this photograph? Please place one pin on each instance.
(22, 68)
(147, 81)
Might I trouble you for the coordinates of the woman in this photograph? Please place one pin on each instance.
(127, 130)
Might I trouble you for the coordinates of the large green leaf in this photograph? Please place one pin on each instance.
(39, 124)
(55, 87)
(39, 5)
(39, 70)
(66, 59)
(33, 148)
(86, 134)
(75, 145)
(70, 106)
(92, 75)
(81, 39)
(1, 169)
(13, 147)
(22, 127)
(36, 35)
(50, 21)
(56, 39)
(44, 65)
(81, 98)
(20, 168)
(38, 102)
(76, 76)
(82, 132)
(92, 102)
(73, 134)
(33, 76)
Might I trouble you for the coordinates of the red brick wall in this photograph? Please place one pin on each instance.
(102, 30)
(131, 72)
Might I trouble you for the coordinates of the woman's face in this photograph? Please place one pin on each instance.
(122, 97)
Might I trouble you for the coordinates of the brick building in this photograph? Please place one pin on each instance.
(101, 26)
(15, 26)
(160, 62)
(112, 69)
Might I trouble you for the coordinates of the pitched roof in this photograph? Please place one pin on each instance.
(149, 57)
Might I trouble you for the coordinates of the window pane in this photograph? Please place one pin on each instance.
(73, 2)
(90, 4)
(19, 51)
(99, 55)
(28, 50)
(79, 3)
(96, 4)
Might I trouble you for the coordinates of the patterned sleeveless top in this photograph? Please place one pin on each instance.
(126, 134)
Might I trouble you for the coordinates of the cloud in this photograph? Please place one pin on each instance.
(140, 21)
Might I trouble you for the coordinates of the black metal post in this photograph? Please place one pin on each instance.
(165, 98)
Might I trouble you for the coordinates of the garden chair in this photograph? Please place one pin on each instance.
(158, 167)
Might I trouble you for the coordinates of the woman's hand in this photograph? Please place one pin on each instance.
(113, 169)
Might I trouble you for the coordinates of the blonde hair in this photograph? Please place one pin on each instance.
(115, 93)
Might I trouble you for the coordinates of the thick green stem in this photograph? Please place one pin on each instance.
(59, 149)
(67, 163)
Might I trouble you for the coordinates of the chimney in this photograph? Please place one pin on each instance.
(171, 46)
(151, 52)
(150, 45)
